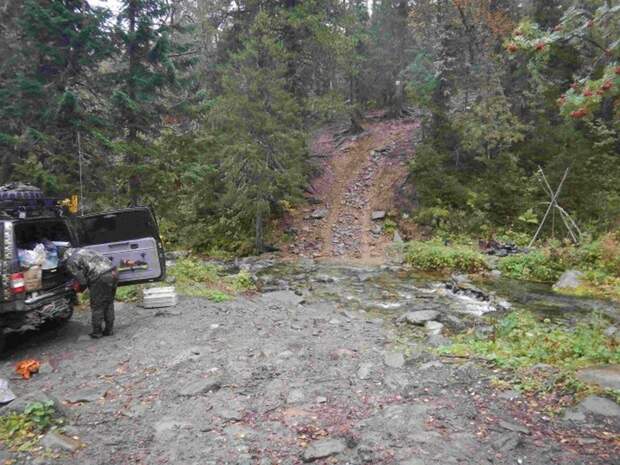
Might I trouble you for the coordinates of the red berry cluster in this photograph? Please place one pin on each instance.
(579, 113)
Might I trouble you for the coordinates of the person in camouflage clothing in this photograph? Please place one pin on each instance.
(94, 271)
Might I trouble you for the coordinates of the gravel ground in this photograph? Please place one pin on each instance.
(267, 380)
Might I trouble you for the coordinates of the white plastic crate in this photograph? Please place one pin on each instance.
(157, 297)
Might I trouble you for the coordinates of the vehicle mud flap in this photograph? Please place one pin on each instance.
(2, 341)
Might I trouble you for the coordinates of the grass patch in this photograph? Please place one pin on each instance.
(521, 340)
(21, 431)
(195, 278)
(128, 293)
(434, 256)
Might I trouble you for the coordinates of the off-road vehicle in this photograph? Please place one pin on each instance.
(129, 237)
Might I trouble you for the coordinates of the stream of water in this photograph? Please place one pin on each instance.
(390, 291)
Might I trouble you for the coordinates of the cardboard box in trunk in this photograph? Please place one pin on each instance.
(33, 277)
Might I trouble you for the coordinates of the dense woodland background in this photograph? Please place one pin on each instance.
(205, 108)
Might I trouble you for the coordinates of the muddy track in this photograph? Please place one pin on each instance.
(359, 175)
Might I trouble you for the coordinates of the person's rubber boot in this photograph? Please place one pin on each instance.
(108, 331)
(96, 333)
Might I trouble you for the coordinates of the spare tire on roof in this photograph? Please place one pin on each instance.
(19, 191)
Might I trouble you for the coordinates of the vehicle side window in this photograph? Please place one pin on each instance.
(117, 227)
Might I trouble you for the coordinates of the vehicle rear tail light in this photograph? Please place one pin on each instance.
(17, 283)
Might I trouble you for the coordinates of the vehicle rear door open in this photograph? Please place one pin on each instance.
(130, 238)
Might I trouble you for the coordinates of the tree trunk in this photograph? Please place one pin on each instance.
(356, 122)
(258, 239)
(397, 101)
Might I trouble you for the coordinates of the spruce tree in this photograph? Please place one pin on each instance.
(48, 97)
(259, 130)
(144, 70)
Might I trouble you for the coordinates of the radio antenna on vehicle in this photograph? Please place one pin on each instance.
(79, 145)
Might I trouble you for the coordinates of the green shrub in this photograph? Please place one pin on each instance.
(242, 282)
(21, 431)
(213, 294)
(434, 256)
(41, 413)
(190, 271)
(198, 279)
(534, 266)
(602, 254)
(389, 227)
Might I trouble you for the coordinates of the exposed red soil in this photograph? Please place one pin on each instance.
(358, 175)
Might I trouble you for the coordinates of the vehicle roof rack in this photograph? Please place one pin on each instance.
(32, 208)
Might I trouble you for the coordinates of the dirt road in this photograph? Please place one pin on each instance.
(267, 379)
(358, 176)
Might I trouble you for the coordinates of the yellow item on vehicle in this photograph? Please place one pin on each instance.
(72, 204)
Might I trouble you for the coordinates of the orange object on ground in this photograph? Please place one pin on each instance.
(27, 367)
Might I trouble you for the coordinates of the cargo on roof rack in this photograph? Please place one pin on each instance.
(19, 200)
(20, 191)
(31, 208)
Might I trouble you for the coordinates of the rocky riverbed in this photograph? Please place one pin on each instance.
(312, 369)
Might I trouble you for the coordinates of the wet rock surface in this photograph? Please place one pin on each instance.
(282, 378)
(604, 376)
(570, 279)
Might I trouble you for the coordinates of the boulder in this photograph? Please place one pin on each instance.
(394, 359)
(509, 395)
(419, 317)
(323, 448)
(570, 279)
(437, 340)
(176, 255)
(495, 274)
(167, 429)
(607, 376)
(574, 415)
(57, 441)
(433, 327)
(86, 395)
(506, 442)
(284, 298)
(467, 289)
(513, 427)
(295, 396)
(377, 215)
(6, 395)
(319, 213)
(363, 372)
(600, 406)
